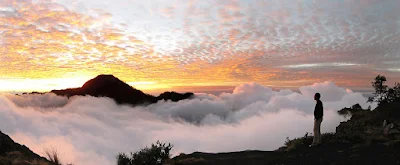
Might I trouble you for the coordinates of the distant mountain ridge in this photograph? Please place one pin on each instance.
(122, 93)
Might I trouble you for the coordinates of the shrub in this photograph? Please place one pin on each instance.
(306, 140)
(157, 154)
(53, 156)
(298, 142)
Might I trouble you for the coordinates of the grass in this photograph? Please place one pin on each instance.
(335, 139)
(306, 140)
(53, 156)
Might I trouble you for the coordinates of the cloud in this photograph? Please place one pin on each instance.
(88, 130)
(49, 100)
(328, 90)
(318, 65)
(245, 40)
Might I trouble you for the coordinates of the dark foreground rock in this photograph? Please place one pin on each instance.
(369, 125)
(324, 154)
(12, 153)
(122, 93)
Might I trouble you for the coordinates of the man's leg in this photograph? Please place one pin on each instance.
(319, 121)
(315, 130)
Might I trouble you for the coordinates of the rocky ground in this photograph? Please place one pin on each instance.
(324, 154)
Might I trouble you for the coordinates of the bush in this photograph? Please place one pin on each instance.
(298, 142)
(53, 156)
(157, 154)
(306, 140)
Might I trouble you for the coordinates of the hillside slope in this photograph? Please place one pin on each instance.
(12, 153)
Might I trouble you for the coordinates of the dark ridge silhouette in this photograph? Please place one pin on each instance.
(32, 93)
(173, 96)
(355, 109)
(11, 151)
(366, 122)
(122, 93)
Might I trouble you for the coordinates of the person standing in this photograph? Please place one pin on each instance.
(318, 115)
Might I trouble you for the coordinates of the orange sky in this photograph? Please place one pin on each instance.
(48, 45)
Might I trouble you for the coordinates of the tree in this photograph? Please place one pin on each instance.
(381, 90)
(384, 94)
(391, 95)
(396, 90)
(157, 154)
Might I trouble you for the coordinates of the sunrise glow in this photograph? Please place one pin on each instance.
(46, 44)
(40, 85)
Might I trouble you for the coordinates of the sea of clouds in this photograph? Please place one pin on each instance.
(92, 131)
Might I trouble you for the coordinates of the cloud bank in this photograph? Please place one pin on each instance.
(90, 131)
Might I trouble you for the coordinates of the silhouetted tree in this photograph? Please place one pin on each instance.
(384, 94)
(396, 89)
(123, 159)
(381, 89)
(157, 154)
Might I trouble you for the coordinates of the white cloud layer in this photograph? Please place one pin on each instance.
(91, 131)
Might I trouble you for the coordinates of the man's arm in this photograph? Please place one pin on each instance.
(322, 109)
(318, 112)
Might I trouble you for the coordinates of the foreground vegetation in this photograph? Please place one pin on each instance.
(156, 154)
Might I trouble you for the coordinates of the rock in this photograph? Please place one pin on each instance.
(390, 128)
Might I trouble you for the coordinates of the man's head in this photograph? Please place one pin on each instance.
(317, 96)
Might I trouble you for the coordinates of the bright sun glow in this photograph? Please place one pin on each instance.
(44, 85)
(40, 85)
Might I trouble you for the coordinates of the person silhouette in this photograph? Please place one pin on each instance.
(318, 115)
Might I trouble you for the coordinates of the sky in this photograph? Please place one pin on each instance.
(198, 45)
(253, 65)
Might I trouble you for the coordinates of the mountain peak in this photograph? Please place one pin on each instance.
(102, 81)
(110, 86)
(105, 77)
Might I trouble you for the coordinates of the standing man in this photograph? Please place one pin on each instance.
(318, 114)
